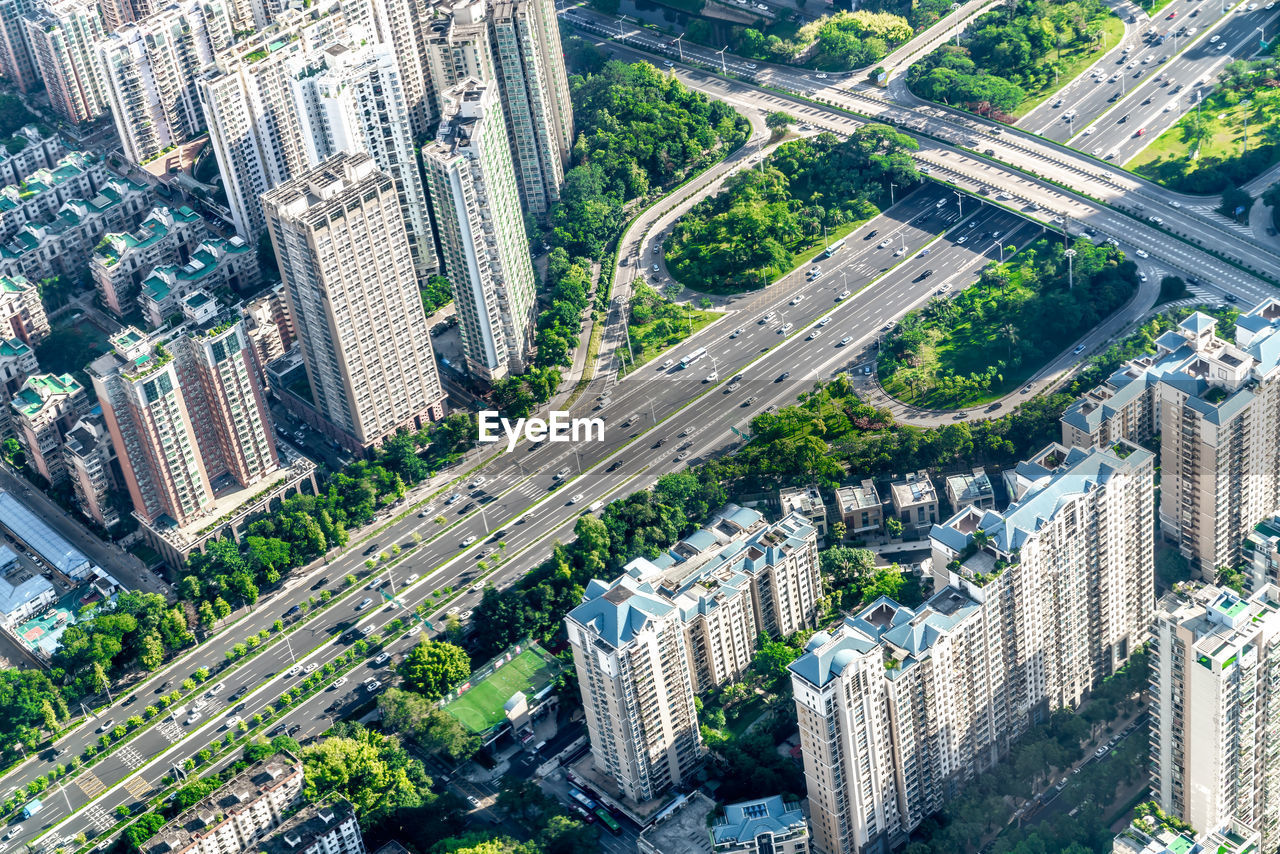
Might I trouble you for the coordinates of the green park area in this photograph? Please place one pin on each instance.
(1229, 139)
(657, 323)
(1007, 64)
(481, 706)
(770, 219)
(984, 343)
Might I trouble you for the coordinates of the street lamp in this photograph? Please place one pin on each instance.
(679, 46)
(1071, 278)
(621, 34)
(959, 202)
(723, 68)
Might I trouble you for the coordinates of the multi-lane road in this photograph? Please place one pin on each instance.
(802, 340)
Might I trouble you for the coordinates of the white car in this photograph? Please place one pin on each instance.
(1089, 130)
(312, 667)
(797, 299)
(364, 604)
(192, 718)
(843, 295)
(372, 685)
(821, 75)
(342, 680)
(575, 499)
(899, 252)
(786, 327)
(1214, 39)
(668, 363)
(1142, 253)
(199, 705)
(735, 333)
(845, 340)
(1142, 276)
(711, 377)
(412, 578)
(480, 481)
(468, 541)
(413, 632)
(1078, 350)
(382, 658)
(813, 333)
(233, 721)
(824, 321)
(217, 689)
(1175, 204)
(294, 671)
(962, 238)
(884, 244)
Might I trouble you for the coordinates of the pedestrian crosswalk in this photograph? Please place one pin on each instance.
(98, 818)
(1212, 213)
(89, 783)
(131, 757)
(138, 787)
(171, 731)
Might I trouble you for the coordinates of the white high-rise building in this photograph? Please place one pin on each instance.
(63, 35)
(349, 280)
(150, 69)
(1214, 709)
(1036, 605)
(486, 251)
(17, 63)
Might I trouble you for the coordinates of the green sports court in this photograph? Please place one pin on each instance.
(479, 708)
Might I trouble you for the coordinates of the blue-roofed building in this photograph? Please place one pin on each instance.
(32, 531)
(897, 707)
(687, 622)
(23, 592)
(763, 826)
(1214, 402)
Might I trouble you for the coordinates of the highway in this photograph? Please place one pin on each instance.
(778, 360)
(1157, 218)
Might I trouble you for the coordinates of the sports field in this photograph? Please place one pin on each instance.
(480, 708)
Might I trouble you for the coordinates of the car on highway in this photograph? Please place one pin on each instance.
(668, 363)
(926, 274)
(382, 658)
(813, 333)
(365, 631)
(900, 251)
(365, 603)
(1140, 132)
(821, 75)
(106, 725)
(312, 667)
(372, 685)
(455, 497)
(192, 718)
(199, 705)
(750, 400)
(711, 377)
(1078, 350)
(782, 376)
(232, 722)
(962, 238)
(1142, 253)
(884, 244)
(732, 387)
(797, 299)
(843, 295)
(562, 474)
(617, 465)
(1214, 39)
(682, 456)
(845, 340)
(342, 680)
(735, 333)
(785, 328)
(576, 498)
(468, 541)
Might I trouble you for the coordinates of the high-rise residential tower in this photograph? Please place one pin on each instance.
(482, 236)
(63, 35)
(1215, 714)
(17, 64)
(340, 240)
(1036, 605)
(150, 70)
(1216, 405)
(185, 409)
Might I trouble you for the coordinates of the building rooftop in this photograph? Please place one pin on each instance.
(857, 496)
(43, 390)
(806, 500)
(917, 488)
(743, 822)
(305, 826)
(18, 583)
(970, 488)
(28, 527)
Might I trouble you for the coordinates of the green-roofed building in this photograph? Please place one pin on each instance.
(39, 195)
(121, 260)
(1148, 835)
(44, 409)
(215, 264)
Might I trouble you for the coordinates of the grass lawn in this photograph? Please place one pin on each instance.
(481, 707)
(1076, 60)
(656, 325)
(1169, 159)
(71, 346)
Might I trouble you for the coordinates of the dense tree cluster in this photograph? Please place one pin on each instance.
(1006, 57)
(435, 730)
(137, 631)
(13, 115)
(747, 235)
(30, 705)
(640, 132)
(958, 350)
(436, 294)
(434, 668)
(841, 41)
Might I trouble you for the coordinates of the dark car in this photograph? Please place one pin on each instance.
(1122, 119)
(926, 274)
(870, 234)
(782, 376)
(659, 443)
(470, 506)
(617, 465)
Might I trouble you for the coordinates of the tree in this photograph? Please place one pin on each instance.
(778, 122)
(417, 718)
(773, 658)
(370, 770)
(893, 525)
(1172, 288)
(433, 668)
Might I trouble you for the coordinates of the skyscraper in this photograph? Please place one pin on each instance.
(150, 70)
(1215, 713)
(1035, 605)
(486, 252)
(185, 409)
(1216, 405)
(17, 63)
(63, 35)
(350, 284)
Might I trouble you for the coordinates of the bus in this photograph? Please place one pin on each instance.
(834, 248)
(608, 821)
(693, 357)
(581, 798)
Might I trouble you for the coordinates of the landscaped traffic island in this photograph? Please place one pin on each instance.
(986, 341)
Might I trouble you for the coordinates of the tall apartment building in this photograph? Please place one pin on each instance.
(237, 816)
(121, 261)
(680, 624)
(44, 410)
(87, 456)
(535, 97)
(22, 311)
(900, 707)
(62, 35)
(150, 70)
(328, 828)
(185, 409)
(1216, 407)
(118, 14)
(515, 45)
(353, 98)
(1215, 716)
(17, 63)
(482, 236)
(268, 323)
(340, 240)
(42, 193)
(27, 151)
(255, 128)
(17, 362)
